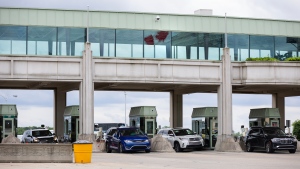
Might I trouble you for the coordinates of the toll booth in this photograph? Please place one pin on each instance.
(144, 117)
(8, 120)
(71, 123)
(264, 117)
(205, 123)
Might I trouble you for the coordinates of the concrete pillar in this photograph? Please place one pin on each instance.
(278, 102)
(176, 117)
(59, 108)
(225, 141)
(86, 98)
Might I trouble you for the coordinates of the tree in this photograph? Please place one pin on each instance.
(296, 129)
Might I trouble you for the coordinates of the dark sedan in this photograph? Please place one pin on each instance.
(270, 139)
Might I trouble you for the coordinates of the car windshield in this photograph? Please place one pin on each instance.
(274, 131)
(182, 132)
(131, 132)
(39, 133)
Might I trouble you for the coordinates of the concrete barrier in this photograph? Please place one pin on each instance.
(36, 153)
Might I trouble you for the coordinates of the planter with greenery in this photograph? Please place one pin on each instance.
(269, 59)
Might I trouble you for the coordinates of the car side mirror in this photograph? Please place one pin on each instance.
(171, 135)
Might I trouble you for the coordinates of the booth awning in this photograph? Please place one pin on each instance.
(8, 110)
(72, 110)
(264, 113)
(143, 111)
(205, 112)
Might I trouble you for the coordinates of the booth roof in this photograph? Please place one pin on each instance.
(143, 111)
(205, 112)
(264, 113)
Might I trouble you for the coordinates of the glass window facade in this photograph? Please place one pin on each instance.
(129, 43)
(159, 44)
(70, 41)
(13, 40)
(239, 46)
(41, 41)
(102, 42)
(261, 46)
(286, 47)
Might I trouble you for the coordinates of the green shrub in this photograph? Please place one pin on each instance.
(262, 59)
(292, 59)
(296, 129)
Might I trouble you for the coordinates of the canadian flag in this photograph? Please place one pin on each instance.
(149, 40)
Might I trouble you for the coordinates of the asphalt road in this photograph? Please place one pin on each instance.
(186, 160)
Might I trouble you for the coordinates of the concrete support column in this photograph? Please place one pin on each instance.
(59, 108)
(176, 116)
(225, 141)
(86, 92)
(278, 102)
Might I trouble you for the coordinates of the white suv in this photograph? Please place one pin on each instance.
(182, 138)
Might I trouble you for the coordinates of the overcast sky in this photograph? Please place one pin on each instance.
(36, 107)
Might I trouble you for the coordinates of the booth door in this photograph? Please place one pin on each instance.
(213, 132)
(149, 128)
(8, 126)
(77, 128)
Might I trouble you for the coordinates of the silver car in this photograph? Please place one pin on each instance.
(182, 138)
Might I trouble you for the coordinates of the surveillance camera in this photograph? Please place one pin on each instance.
(157, 17)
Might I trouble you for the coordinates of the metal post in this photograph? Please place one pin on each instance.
(125, 107)
(87, 29)
(225, 31)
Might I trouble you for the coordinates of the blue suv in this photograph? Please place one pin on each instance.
(128, 139)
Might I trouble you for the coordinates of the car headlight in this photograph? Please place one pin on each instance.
(295, 140)
(127, 141)
(146, 141)
(182, 138)
(275, 140)
(36, 140)
(55, 138)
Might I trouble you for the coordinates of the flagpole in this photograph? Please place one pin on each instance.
(87, 29)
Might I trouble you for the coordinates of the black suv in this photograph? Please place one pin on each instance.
(270, 139)
(38, 136)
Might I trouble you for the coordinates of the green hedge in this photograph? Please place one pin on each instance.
(273, 59)
(292, 59)
(262, 59)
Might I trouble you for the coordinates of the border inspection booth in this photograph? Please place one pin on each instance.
(205, 123)
(8, 120)
(144, 117)
(71, 123)
(264, 117)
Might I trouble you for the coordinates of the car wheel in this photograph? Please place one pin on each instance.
(249, 148)
(121, 148)
(108, 150)
(269, 148)
(147, 151)
(177, 147)
(292, 151)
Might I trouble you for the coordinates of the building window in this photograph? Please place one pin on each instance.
(70, 41)
(129, 43)
(185, 45)
(239, 46)
(261, 46)
(102, 42)
(41, 41)
(286, 47)
(13, 40)
(157, 44)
